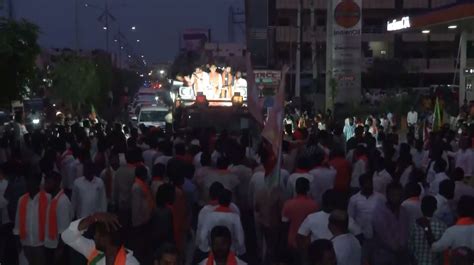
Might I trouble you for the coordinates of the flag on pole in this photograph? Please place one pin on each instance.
(93, 114)
(273, 134)
(437, 119)
(253, 103)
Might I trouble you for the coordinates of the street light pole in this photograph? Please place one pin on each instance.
(76, 24)
(106, 26)
(329, 51)
(313, 40)
(10, 9)
(298, 53)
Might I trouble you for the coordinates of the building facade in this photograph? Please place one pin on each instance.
(426, 58)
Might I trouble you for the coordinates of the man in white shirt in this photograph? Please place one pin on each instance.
(108, 177)
(323, 178)
(150, 154)
(381, 177)
(223, 175)
(5, 227)
(107, 246)
(302, 171)
(440, 168)
(462, 233)
(200, 175)
(223, 216)
(464, 156)
(157, 178)
(444, 212)
(316, 224)
(66, 159)
(413, 203)
(165, 149)
(244, 175)
(88, 195)
(30, 221)
(58, 217)
(362, 205)
(412, 120)
(240, 85)
(199, 80)
(360, 165)
(461, 188)
(346, 246)
(221, 253)
(214, 193)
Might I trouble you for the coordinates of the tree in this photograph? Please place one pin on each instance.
(18, 51)
(76, 81)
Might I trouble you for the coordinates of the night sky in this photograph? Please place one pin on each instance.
(158, 22)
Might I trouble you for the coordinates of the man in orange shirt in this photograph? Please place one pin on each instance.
(343, 169)
(296, 210)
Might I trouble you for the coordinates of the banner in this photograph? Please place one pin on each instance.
(194, 39)
(437, 117)
(346, 49)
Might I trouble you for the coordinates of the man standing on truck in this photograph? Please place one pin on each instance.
(215, 83)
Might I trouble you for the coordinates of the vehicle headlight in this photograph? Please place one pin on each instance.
(36, 121)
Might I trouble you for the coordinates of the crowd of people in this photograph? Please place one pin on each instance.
(98, 194)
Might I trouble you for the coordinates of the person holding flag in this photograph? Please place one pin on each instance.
(437, 117)
(273, 133)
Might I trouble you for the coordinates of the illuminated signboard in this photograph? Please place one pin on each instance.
(395, 24)
(267, 77)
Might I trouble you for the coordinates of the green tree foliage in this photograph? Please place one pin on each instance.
(76, 81)
(18, 51)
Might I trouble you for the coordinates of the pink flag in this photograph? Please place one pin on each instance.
(253, 102)
(273, 133)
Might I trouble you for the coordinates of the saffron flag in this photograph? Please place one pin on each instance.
(437, 119)
(273, 134)
(253, 102)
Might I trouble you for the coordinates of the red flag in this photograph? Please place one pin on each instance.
(273, 133)
(253, 102)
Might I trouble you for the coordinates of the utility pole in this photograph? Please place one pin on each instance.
(10, 9)
(298, 53)
(76, 24)
(104, 17)
(313, 41)
(329, 50)
(121, 41)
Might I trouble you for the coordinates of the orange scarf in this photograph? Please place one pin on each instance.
(53, 220)
(231, 259)
(146, 191)
(42, 208)
(465, 221)
(414, 199)
(301, 171)
(223, 209)
(157, 178)
(95, 257)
